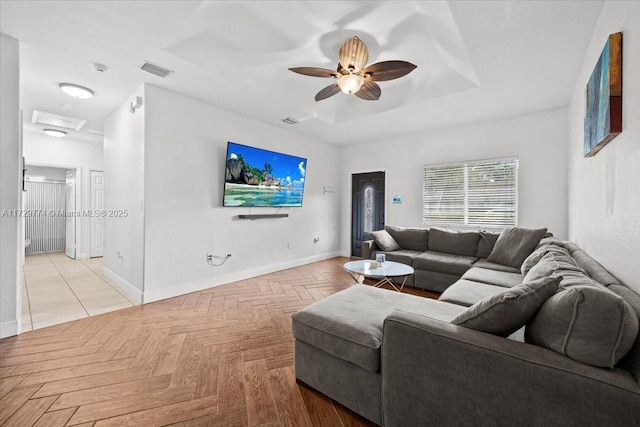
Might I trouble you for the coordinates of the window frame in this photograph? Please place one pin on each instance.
(466, 165)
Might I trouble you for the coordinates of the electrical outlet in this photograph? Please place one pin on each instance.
(209, 257)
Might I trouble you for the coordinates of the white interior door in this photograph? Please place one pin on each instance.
(70, 223)
(97, 221)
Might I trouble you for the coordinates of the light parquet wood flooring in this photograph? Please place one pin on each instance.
(219, 357)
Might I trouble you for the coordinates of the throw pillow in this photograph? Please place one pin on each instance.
(538, 253)
(543, 268)
(486, 243)
(506, 312)
(586, 323)
(384, 240)
(553, 263)
(514, 245)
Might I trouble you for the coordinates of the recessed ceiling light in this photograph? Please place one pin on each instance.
(76, 91)
(55, 133)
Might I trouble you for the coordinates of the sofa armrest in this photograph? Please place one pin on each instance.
(368, 247)
(436, 373)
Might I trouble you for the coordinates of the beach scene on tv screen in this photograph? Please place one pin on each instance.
(257, 177)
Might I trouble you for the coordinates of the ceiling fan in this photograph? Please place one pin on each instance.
(353, 76)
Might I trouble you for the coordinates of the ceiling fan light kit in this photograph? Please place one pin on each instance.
(353, 76)
(350, 83)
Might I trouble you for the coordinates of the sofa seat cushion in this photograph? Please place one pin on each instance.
(415, 239)
(348, 324)
(493, 277)
(483, 263)
(466, 293)
(443, 263)
(405, 256)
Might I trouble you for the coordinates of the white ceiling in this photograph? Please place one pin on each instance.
(477, 60)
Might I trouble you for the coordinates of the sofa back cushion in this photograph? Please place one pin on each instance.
(506, 312)
(384, 240)
(591, 266)
(463, 243)
(414, 239)
(540, 251)
(553, 263)
(486, 243)
(631, 362)
(589, 324)
(514, 245)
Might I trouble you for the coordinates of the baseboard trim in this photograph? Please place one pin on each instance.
(185, 288)
(8, 329)
(131, 291)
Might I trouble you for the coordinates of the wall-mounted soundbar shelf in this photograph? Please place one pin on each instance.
(262, 216)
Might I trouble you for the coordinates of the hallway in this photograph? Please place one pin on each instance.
(57, 289)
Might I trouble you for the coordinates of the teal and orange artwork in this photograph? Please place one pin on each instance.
(603, 115)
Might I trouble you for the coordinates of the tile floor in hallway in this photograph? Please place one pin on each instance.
(57, 289)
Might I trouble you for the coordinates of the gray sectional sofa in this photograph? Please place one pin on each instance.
(553, 342)
(439, 257)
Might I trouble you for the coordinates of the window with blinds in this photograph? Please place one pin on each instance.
(480, 193)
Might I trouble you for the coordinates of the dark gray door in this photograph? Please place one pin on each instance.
(367, 208)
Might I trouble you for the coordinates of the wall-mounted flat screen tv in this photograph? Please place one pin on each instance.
(258, 177)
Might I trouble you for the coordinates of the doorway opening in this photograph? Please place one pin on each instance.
(367, 207)
(50, 192)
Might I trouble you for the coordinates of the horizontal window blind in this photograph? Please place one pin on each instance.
(477, 193)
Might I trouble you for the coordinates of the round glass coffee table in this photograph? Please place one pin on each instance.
(384, 272)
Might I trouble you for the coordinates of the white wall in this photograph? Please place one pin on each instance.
(604, 198)
(124, 135)
(538, 139)
(185, 153)
(42, 149)
(10, 186)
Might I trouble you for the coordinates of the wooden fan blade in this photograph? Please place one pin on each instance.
(388, 70)
(314, 71)
(353, 54)
(369, 91)
(327, 92)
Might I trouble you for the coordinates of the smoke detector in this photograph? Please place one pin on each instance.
(101, 68)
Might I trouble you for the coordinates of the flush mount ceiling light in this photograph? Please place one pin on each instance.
(55, 133)
(353, 75)
(76, 91)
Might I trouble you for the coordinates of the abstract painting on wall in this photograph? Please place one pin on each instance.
(603, 116)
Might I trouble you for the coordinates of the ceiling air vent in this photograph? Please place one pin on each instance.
(155, 69)
(298, 117)
(50, 119)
